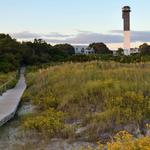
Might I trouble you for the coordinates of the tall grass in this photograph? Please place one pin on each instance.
(102, 95)
(7, 80)
(4, 77)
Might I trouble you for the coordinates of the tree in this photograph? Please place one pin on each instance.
(100, 48)
(10, 53)
(120, 51)
(144, 48)
(65, 48)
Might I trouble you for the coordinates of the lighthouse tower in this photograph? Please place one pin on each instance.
(126, 21)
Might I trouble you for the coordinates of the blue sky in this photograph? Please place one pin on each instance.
(70, 20)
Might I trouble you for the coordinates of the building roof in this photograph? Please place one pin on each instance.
(126, 8)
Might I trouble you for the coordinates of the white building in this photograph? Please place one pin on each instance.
(83, 50)
(132, 51)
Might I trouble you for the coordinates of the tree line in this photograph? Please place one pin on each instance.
(14, 53)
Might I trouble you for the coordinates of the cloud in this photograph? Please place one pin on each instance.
(114, 36)
(29, 35)
(85, 37)
(56, 35)
(116, 31)
(25, 35)
(89, 37)
(142, 36)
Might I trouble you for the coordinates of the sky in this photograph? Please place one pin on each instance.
(74, 21)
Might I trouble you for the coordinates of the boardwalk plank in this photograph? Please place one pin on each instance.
(10, 100)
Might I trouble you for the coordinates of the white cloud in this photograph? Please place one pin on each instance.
(114, 38)
(30, 35)
(136, 36)
(25, 35)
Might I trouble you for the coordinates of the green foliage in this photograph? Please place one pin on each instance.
(134, 58)
(49, 122)
(40, 52)
(120, 51)
(13, 53)
(10, 53)
(145, 49)
(83, 58)
(100, 94)
(100, 48)
(128, 107)
(66, 48)
(7, 80)
(5, 77)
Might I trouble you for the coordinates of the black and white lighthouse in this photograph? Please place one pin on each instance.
(126, 27)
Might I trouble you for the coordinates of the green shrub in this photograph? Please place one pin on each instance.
(49, 122)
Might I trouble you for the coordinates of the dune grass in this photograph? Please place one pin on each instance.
(100, 95)
(7, 80)
(4, 77)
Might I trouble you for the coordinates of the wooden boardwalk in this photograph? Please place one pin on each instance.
(10, 100)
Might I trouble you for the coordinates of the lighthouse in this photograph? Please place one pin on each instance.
(126, 28)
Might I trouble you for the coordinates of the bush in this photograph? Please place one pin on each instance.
(49, 122)
(126, 141)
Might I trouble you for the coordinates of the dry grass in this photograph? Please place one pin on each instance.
(99, 94)
(4, 77)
